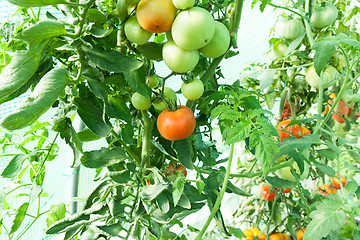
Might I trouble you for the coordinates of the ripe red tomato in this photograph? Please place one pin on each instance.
(266, 194)
(287, 190)
(156, 16)
(293, 129)
(171, 170)
(176, 125)
(336, 183)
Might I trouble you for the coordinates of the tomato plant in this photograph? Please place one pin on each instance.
(176, 125)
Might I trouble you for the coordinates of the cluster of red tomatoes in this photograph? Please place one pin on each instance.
(190, 31)
(269, 193)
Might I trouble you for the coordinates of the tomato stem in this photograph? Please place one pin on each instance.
(148, 126)
(235, 21)
(220, 197)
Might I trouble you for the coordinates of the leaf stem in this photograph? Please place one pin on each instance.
(127, 148)
(219, 198)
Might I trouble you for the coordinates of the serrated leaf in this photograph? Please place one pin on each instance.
(92, 117)
(14, 166)
(238, 132)
(264, 149)
(19, 218)
(103, 157)
(150, 192)
(327, 153)
(178, 189)
(326, 169)
(183, 151)
(280, 183)
(151, 50)
(324, 51)
(136, 80)
(325, 218)
(42, 30)
(110, 60)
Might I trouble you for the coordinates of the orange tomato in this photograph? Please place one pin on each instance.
(267, 194)
(326, 189)
(283, 130)
(343, 109)
(251, 232)
(156, 16)
(336, 183)
(171, 170)
(279, 236)
(300, 234)
(176, 125)
(287, 190)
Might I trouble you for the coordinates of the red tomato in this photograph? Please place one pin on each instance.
(336, 183)
(176, 125)
(266, 194)
(343, 110)
(287, 190)
(294, 129)
(171, 170)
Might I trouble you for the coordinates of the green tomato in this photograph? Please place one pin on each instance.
(152, 81)
(193, 90)
(285, 173)
(135, 33)
(349, 97)
(183, 4)
(140, 102)
(329, 76)
(193, 28)
(169, 95)
(219, 43)
(289, 28)
(179, 60)
(324, 16)
(279, 49)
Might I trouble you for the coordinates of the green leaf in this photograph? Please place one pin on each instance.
(36, 3)
(178, 189)
(294, 44)
(150, 192)
(121, 176)
(325, 218)
(200, 185)
(184, 202)
(87, 135)
(163, 202)
(325, 169)
(103, 157)
(236, 190)
(112, 229)
(238, 132)
(280, 183)
(97, 89)
(136, 80)
(96, 16)
(183, 151)
(19, 218)
(351, 187)
(14, 166)
(56, 212)
(151, 50)
(42, 30)
(327, 153)
(110, 60)
(92, 117)
(237, 232)
(324, 51)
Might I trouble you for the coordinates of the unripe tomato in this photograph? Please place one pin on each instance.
(183, 4)
(193, 90)
(267, 194)
(156, 16)
(140, 102)
(152, 81)
(219, 43)
(295, 130)
(324, 16)
(336, 183)
(289, 28)
(169, 96)
(279, 236)
(135, 33)
(326, 189)
(279, 49)
(251, 232)
(300, 234)
(176, 125)
(349, 97)
(286, 174)
(330, 76)
(193, 28)
(179, 60)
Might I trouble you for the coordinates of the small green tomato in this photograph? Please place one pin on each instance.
(193, 90)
